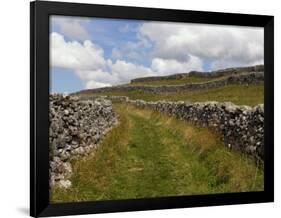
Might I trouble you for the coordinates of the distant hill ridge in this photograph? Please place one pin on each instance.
(211, 74)
(239, 79)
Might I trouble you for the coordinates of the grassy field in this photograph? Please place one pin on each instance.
(250, 95)
(181, 81)
(187, 80)
(150, 155)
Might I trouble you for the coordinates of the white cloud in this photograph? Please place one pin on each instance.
(122, 72)
(98, 75)
(126, 71)
(88, 62)
(170, 66)
(72, 27)
(223, 45)
(171, 48)
(75, 55)
(93, 84)
(117, 73)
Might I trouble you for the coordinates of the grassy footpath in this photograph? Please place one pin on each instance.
(250, 95)
(150, 155)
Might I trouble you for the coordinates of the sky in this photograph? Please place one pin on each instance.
(90, 53)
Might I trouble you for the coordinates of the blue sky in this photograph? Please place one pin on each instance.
(97, 52)
(108, 33)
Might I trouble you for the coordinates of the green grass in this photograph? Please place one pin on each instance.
(151, 155)
(187, 80)
(250, 95)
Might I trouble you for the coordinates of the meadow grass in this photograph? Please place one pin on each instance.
(182, 81)
(250, 95)
(150, 154)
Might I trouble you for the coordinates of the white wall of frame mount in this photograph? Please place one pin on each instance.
(14, 109)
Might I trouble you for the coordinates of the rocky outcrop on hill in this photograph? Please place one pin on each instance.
(76, 127)
(212, 74)
(249, 78)
(111, 98)
(241, 127)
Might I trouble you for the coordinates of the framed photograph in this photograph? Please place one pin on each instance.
(143, 108)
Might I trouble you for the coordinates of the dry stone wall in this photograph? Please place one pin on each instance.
(76, 127)
(250, 78)
(241, 127)
(212, 74)
(111, 98)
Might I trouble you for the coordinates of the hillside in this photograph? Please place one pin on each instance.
(242, 86)
(195, 76)
(183, 134)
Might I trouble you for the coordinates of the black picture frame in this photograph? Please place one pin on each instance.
(39, 107)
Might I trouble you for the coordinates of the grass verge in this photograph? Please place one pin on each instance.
(250, 95)
(150, 154)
